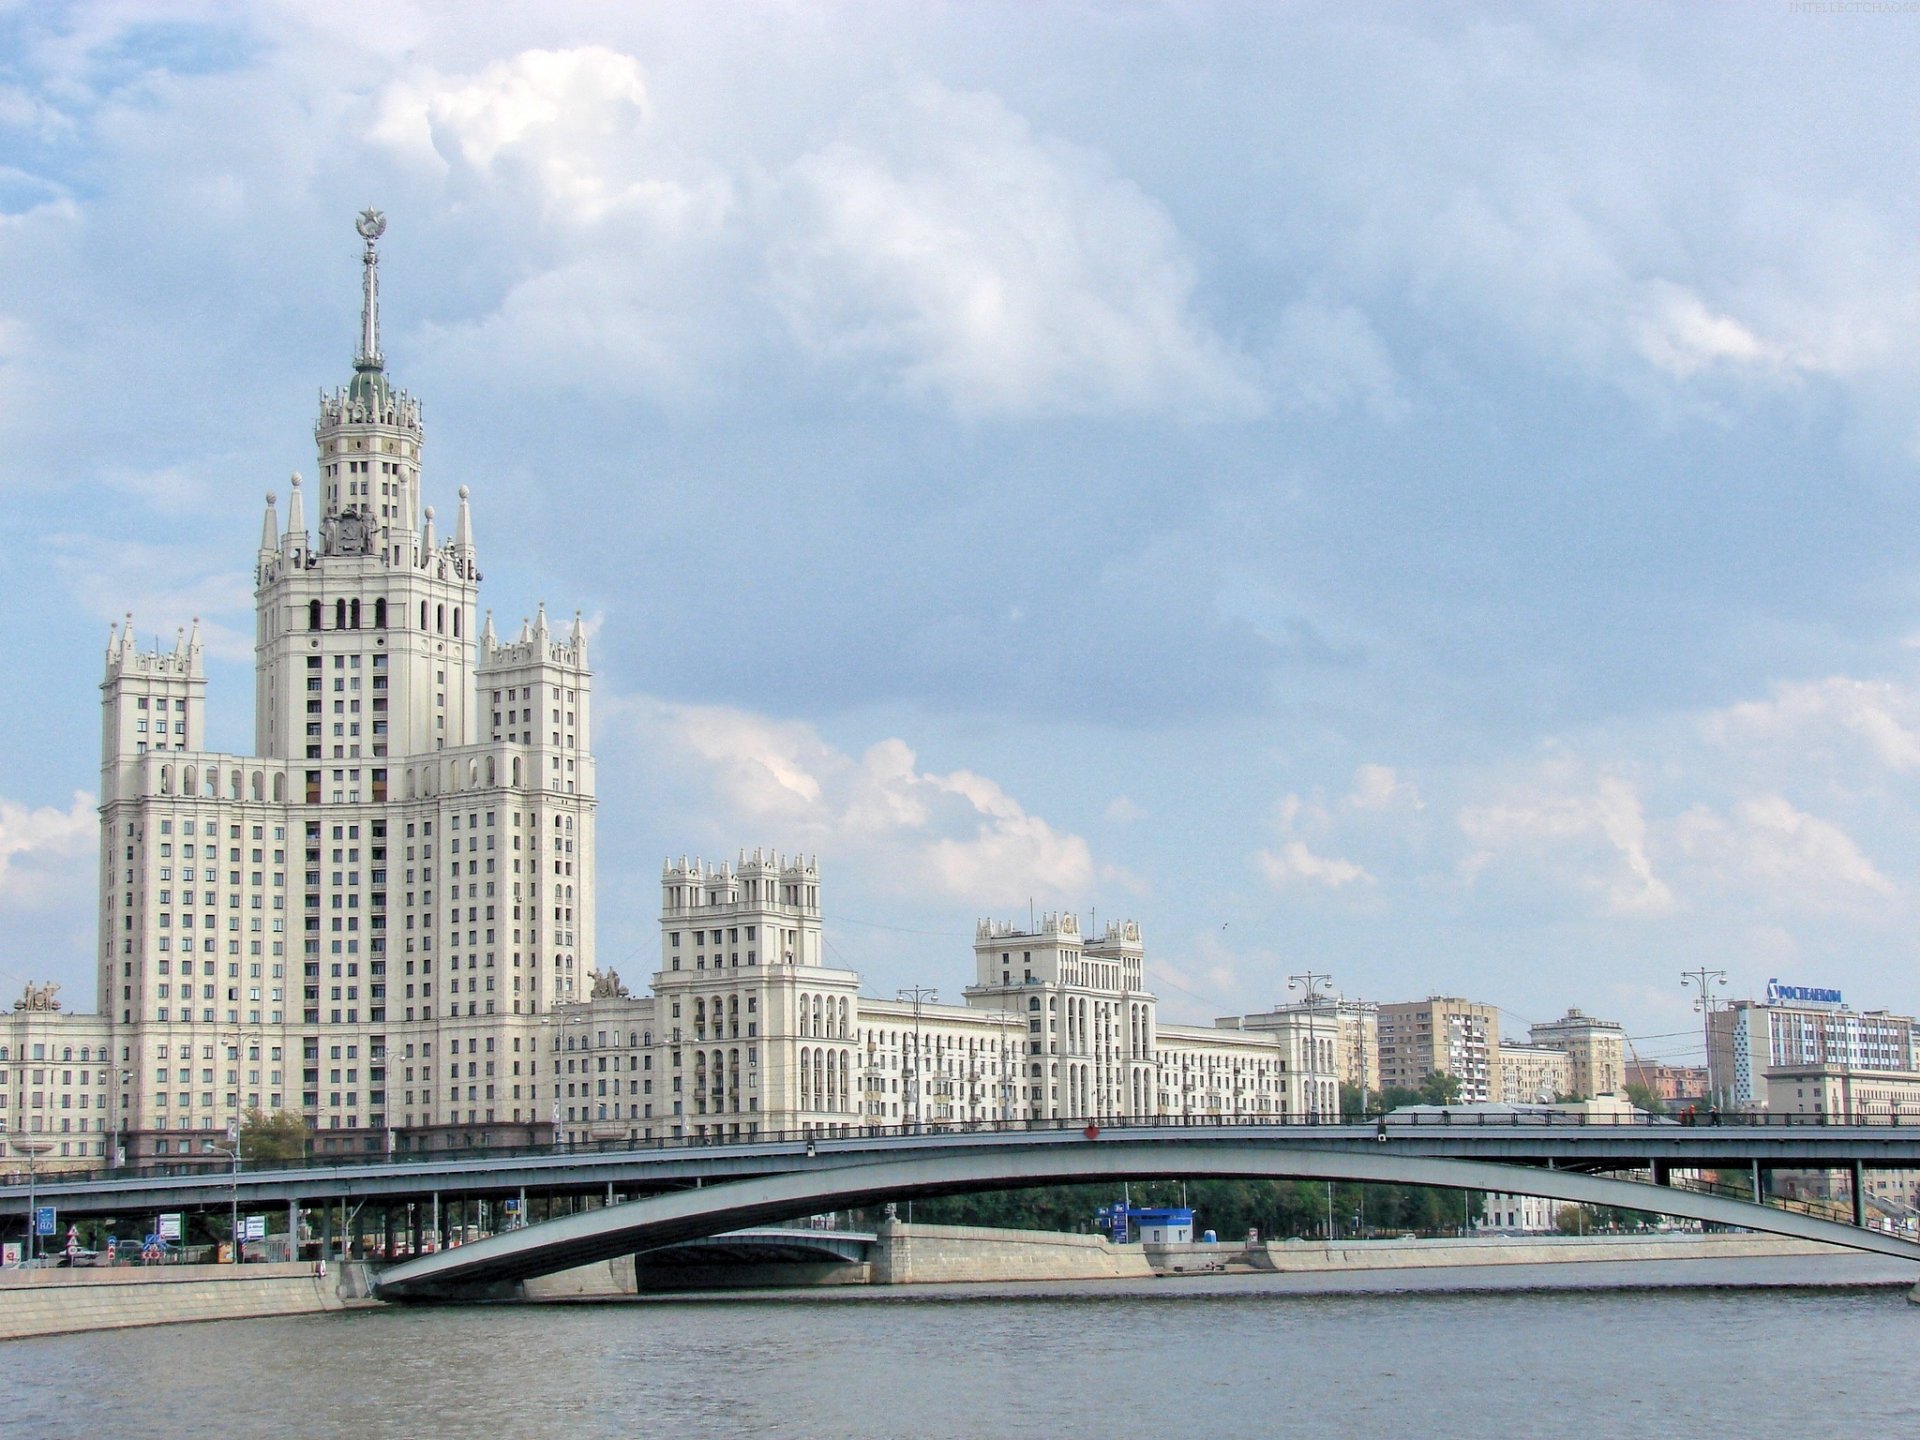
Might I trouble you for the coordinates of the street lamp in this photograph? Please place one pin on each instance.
(1315, 987)
(33, 1150)
(1704, 980)
(919, 995)
(232, 1150)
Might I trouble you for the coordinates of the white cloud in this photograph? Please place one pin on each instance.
(1786, 857)
(1593, 833)
(1002, 273)
(1878, 713)
(37, 843)
(958, 833)
(1122, 810)
(1379, 787)
(112, 578)
(1681, 336)
(1293, 865)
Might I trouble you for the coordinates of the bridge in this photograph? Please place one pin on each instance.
(840, 1175)
(653, 1194)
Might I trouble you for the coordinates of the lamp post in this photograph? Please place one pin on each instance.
(1704, 980)
(1315, 987)
(116, 1133)
(919, 995)
(232, 1151)
(33, 1150)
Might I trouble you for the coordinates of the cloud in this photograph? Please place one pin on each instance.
(1784, 856)
(1379, 787)
(1681, 336)
(1294, 865)
(37, 845)
(1876, 713)
(998, 272)
(1122, 810)
(1593, 834)
(155, 583)
(958, 832)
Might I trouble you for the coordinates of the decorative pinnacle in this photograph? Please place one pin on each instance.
(371, 225)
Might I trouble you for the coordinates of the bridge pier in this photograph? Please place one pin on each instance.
(1859, 1193)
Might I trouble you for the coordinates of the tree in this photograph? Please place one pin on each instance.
(1353, 1101)
(281, 1136)
(1643, 1096)
(1440, 1088)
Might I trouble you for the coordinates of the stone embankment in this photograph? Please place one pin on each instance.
(54, 1302)
(1307, 1256)
(941, 1254)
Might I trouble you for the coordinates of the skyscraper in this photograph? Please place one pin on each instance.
(368, 919)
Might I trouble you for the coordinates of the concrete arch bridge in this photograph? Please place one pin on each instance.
(832, 1175)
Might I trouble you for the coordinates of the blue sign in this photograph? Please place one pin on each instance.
(1778, 994)
(44, 1220)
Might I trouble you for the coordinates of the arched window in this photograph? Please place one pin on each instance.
(379, 614)
(423, 615)
(456, 622)
(279, 789)
(313, 614)
(440, 618)
(354, 611)
(340, 614)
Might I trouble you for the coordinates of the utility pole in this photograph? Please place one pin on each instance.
(919, 995)
(1704, 980)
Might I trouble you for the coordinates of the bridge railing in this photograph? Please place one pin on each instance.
(1393, 1122)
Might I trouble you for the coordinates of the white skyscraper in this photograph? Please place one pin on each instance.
(368, 920)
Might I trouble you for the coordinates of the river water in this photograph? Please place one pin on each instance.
(1755, 1348)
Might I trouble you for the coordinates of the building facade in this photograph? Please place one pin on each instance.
(1460, 1037)
(57, 1085)
(1532, 1074)
(1746, 1039)
(366, 919)
(1596, 1048)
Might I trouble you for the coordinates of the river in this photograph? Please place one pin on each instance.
(1806, 1347)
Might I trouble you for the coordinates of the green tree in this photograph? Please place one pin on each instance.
(1440, 1088)
(1644, 1097)
(1353, 1101)
(281, 1136)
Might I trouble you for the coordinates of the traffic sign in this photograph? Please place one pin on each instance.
(255, 1228)
(45, 1220)
(169, 1226)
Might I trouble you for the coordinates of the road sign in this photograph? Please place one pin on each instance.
(169, 1227)
(45, 1220)
(255, 1228)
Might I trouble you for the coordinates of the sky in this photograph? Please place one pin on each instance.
(1419, 494)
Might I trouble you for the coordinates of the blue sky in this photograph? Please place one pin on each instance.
(1421, 493)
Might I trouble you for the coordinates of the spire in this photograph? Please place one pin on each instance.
(540, 623)
(463, 532)
(372, 225)
(296, 536)
(578, 638)
(270, 527)
(487, 638)
(426, 539)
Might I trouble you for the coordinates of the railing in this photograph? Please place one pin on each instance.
(1371, 1124)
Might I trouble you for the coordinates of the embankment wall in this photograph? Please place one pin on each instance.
(55, 1302)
